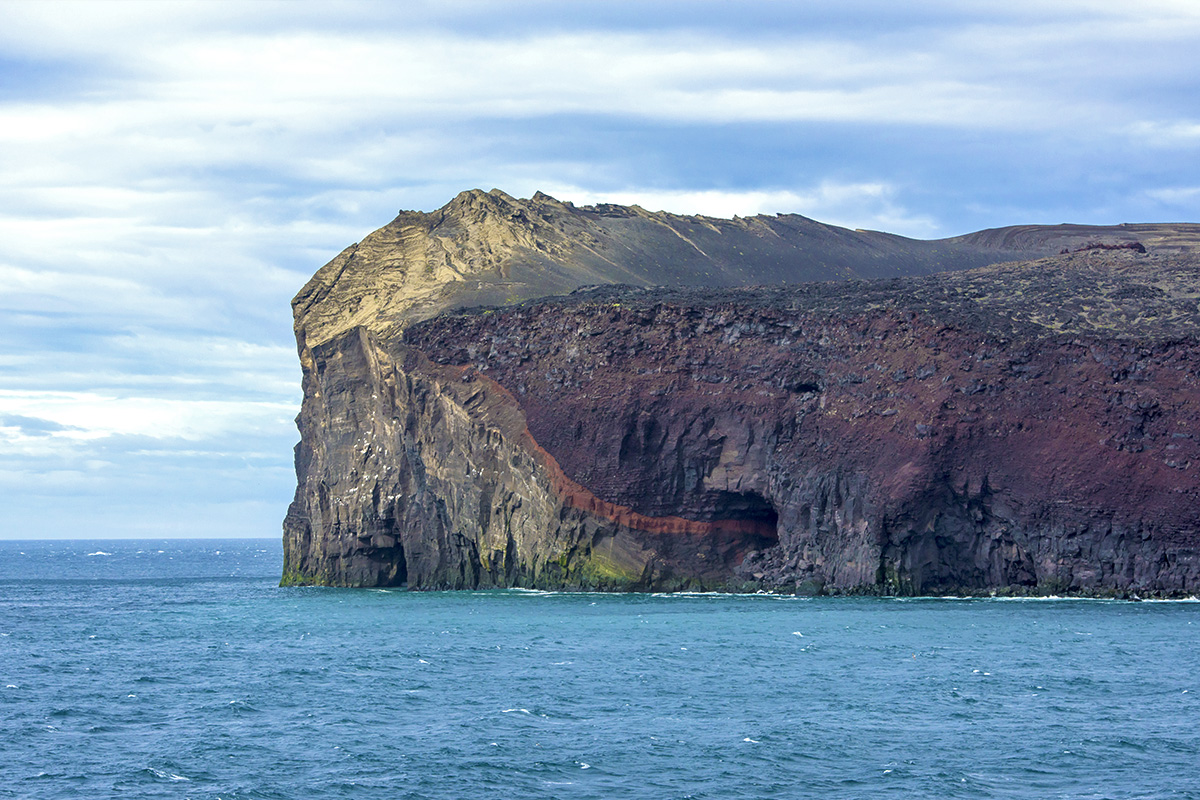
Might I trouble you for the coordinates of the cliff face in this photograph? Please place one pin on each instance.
(1023, 427)
(438, 483)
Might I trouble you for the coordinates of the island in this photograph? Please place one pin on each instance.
(524, 393)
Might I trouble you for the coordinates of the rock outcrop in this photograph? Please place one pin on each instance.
(1023, 427)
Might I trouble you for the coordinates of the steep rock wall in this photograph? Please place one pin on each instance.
(428, 476)
(891, 451)
(1022, 427)
(838, 438)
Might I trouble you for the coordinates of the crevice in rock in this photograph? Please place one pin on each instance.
(398, 565)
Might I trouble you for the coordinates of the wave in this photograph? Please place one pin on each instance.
(169, 776)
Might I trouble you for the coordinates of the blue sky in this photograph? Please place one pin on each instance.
(172, 173)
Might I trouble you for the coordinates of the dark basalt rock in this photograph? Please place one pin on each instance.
(1019, 428)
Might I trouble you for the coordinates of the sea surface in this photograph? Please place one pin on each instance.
(181, 670)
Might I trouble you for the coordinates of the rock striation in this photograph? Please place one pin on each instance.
(1023, 427)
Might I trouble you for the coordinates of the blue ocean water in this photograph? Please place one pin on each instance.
(179, 669)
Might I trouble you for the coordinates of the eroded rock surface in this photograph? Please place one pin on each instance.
(1018, 428)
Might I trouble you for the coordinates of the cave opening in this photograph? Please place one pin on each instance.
(391, 567)
(749, 513)
(401, 567)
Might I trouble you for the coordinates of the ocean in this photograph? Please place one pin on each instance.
(180, 669)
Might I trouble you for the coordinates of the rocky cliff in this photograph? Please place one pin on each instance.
(1023, 427)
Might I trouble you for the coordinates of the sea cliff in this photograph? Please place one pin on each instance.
(1023, 427)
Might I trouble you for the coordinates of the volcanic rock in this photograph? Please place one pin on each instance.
(1024, 427)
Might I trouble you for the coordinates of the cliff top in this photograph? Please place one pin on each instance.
(1113, 294)
(488, 248)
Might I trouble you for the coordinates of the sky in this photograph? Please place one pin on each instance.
(172, 173)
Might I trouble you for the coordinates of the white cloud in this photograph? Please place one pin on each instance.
(217, 95)
(86, 415)
(1176, 195)
(851, 205)
(1182, 196)
(1166, 134)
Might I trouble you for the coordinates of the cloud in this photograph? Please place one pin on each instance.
(85, 415)
(30, 426)
(854, 205)
(171, 174)
(1175, 195)
(1175, 133)
(213, 95)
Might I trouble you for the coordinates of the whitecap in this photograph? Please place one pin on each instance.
(583, 765)
(797, 633)
(168, 775)
(99, 553)
(751, 741)
(511, 710)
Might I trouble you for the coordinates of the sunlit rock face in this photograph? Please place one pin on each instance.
(1025, 427)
